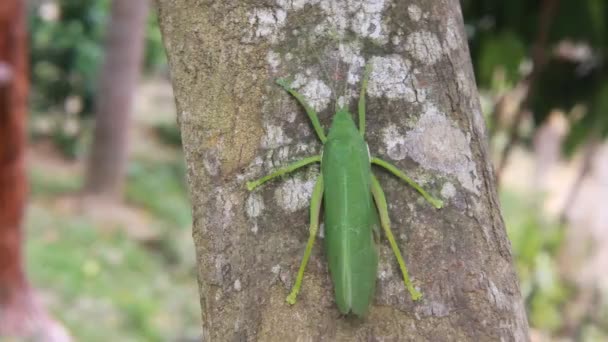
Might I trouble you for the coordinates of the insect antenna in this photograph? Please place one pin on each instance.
(342, 69)
(326, 74)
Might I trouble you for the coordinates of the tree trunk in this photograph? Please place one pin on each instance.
(117, 84)
(423, 115)
(20, 312)
(13, 109)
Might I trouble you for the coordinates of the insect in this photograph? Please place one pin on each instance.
(351, 195)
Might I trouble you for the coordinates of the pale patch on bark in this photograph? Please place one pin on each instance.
(394, 143)
(414, 12)
(225, 204)
(433, 308)
(368, 21)
(385, 265)
(254, 205)
(351, 55)
(275, 137)
(365, 18)
(294, 194)
(273, 59)
(500, 299)
(211, 163)
(463, 83)
(391, 77)
(424, 46)
(452, 36)
(448, 191)
(266, 23)
(396, 40)
(317, 93)
(276, 269)
(429, 142)
(296, 4)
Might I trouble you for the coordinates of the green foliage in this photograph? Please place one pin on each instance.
(160, 187)
(503, 35)
(169, 134)
(155, 57)
(66, 52)
(505, 52)
(535, 244)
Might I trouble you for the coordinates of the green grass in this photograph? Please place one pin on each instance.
(103, 284)
(45, 184)
(536, 241)
(159, 188)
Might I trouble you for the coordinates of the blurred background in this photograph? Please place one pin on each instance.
(107, 236)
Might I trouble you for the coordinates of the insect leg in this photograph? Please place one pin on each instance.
(380, 200)
(437, 203)
(315, 208)
(287, 169)
(368, 70)
(375, 226)
(312, 115)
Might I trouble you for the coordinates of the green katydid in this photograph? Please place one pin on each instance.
(348, 189)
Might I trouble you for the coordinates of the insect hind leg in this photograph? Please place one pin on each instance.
(380, 200)
(315, 209)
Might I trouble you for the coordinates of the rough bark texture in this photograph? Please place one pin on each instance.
(21, 314)
(423, 114)
(118, 81)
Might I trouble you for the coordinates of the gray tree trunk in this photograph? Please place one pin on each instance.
(423, 115)
(118, 80)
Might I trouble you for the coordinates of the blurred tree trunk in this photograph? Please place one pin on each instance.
(423, 114)
(20, 312)
(117, 84)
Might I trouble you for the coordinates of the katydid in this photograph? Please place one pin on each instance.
(348, 189)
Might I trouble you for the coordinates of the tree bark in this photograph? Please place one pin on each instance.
(422, 114)
(13, 109)
(21, 314)
(114, 102)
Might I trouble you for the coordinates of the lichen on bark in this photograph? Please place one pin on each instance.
(422, 114)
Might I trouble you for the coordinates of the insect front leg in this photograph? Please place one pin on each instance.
(312, 114)
(315, 209)
(380, 200)
(287, 169)
(435, 202)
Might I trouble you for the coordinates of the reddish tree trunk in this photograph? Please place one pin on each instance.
(118, 79)
(13, 106)
(20, 312)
